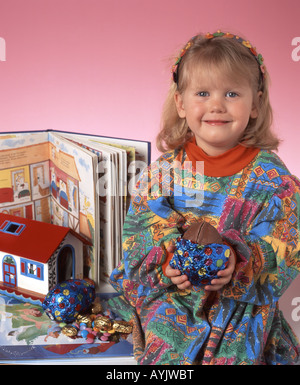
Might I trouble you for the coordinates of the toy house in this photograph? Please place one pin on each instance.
(35, 256)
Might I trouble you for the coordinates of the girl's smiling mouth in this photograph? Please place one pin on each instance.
(216, 122)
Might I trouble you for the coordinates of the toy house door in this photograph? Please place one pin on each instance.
(9, 271)
(66, 264)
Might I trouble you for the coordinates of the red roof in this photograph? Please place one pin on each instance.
(36, 241)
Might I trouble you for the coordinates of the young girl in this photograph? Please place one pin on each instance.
(218, 114)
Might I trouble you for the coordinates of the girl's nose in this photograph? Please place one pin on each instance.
(217, 105)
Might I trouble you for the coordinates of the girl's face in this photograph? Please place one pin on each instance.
(217, 109)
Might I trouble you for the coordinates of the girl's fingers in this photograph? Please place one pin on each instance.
(170, 272)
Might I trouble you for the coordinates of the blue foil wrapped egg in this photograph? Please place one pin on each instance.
(200, 263)
(69, 298)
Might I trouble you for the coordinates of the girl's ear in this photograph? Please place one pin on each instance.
(255, 107)
(179, 105)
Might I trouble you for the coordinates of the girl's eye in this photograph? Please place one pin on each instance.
(231, 94)
(202, 93)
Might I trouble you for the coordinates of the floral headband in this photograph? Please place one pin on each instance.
(228, 35)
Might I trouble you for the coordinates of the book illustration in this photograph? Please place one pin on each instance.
(26, 332)
(52, 171)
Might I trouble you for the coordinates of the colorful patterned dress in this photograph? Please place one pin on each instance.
(256, 210)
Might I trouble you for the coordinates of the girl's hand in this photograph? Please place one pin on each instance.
(224, 276)
(181, 281)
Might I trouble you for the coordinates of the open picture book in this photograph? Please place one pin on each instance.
(74, 180)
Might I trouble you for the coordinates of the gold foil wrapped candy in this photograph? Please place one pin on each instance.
(69, 330)
(122, 327)
(102, 323)
(85, 319)
(103, 326)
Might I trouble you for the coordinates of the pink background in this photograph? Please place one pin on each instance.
(102, 66)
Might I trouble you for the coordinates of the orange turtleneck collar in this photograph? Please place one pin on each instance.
(226, 164)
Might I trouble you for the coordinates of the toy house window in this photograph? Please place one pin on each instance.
(13, 228)
(32, 269)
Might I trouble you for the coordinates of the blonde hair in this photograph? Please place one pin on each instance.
(229, 57)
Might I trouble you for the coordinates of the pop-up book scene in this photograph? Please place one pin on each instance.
(78, 181)
(63, 199)
(47, 309)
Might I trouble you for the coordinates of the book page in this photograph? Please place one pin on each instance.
(24, 175)
(106, 187)
(73, 194)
